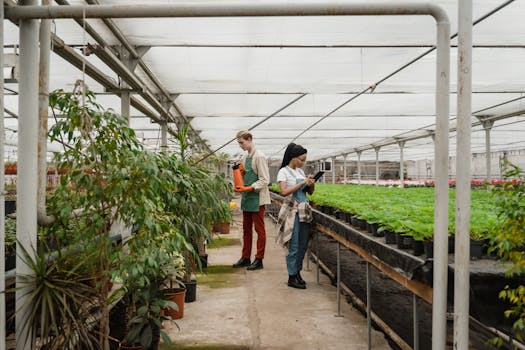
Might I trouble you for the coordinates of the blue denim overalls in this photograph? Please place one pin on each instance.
(299, 240)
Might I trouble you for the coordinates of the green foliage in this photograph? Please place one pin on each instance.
(61, 299)
(509, 240)
(10, 235)
(109, 177)
(404, 210)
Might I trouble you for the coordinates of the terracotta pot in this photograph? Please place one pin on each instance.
(222, 227)
(177, 295)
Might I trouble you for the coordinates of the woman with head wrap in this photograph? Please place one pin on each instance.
(295, 214)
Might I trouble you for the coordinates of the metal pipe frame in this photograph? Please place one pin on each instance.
(43, 105)
(362, 306)
(344, 167)
(317, 255)
(359, 167)
(439, 306)
(368, 306)
(2, 191)
(487, 126)
(415, 321)
(376, 149)
(463, 173)
(333, 169)
(338, 280)
(401, 164)
(27, 15)
(26, 220)
(226, 9)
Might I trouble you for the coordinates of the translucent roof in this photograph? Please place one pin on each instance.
(228, 74)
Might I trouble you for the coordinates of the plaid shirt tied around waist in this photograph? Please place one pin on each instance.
(286, 218)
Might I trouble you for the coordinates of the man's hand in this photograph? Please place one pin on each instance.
(241, 168)
(243, 189)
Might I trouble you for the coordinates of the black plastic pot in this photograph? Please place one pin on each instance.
(390, 237)
(428, 247)
(404, 242)
(418, 247)
(10, 206)
(204, 260)
(348, 218)
(451, 244)
(476, 248)
(375, 227)
(10, 261)
(191, 291)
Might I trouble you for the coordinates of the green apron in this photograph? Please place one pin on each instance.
(250, 200)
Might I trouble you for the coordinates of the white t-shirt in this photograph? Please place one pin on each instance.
(284, 175)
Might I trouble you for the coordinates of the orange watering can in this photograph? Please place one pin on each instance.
(237, 175)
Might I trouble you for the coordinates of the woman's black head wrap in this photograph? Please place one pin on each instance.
(292, 151)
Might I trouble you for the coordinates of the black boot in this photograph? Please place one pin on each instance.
(300, 279)
(256, 265)
(294, 282)
(242, 263)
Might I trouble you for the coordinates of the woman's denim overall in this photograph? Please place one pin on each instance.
(299, 240)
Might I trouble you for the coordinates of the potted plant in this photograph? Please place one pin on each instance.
(223, 218)
(509, 241)
(62, 299)
(143, 272)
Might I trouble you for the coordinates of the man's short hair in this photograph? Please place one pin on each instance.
(244, 134)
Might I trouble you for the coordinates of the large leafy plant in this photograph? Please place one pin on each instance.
(63, 300)
(509, 241)
(108, 176)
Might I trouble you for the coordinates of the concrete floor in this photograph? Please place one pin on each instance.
(257, 310)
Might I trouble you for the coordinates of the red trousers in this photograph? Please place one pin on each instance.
(256, 219)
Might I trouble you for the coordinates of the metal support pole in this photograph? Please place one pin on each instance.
(359, 167)
(333, 169)
(344, 167)
(163, 136)
(308, 257)
(125, 93)
(463, 132)
(28, 92)
(415, 319)
(43, 105)
(368, 306)
(339, 280)
(376, 149)
(401, 164)
(439, 305)
(317, 254)
(2, 188)
(26, 225)
(487, 125)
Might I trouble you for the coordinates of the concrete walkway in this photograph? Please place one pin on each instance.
(239, 309)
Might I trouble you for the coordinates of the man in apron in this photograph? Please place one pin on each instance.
(255, 195)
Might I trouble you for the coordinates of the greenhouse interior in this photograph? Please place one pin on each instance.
(149, 144)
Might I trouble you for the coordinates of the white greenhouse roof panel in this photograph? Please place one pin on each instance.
(308, 73)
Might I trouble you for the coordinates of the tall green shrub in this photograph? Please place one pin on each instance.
(509, 240)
